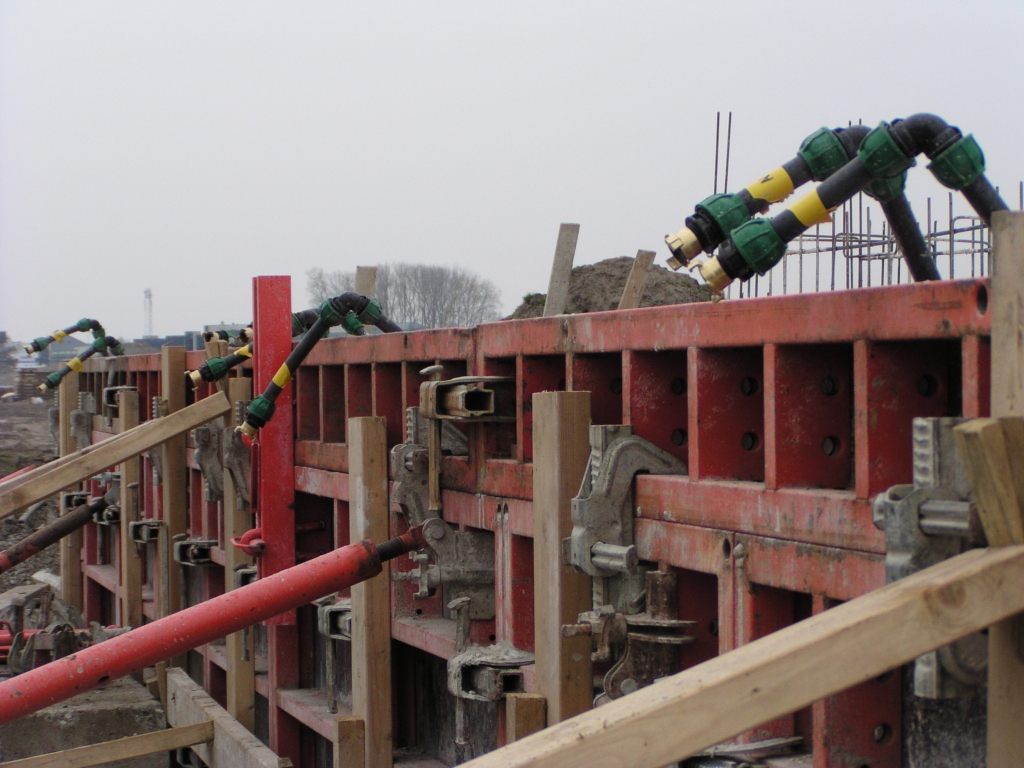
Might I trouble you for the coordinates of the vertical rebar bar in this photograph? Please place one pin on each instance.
(728, 147)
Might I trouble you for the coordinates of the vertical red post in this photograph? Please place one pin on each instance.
(275, 493)
(275, 496)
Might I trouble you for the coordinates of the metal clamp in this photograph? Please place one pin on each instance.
(464, 399)
(208, 457)
(925, 523)
(334, 621)
(464, 566)
(194, 552)
(144, 531)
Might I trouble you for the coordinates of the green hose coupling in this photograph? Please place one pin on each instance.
(99, 344)
(117, 348)
(881, 156)
(960, 164)
(887, 190)
(260, 411)
(83, 325)
(213, 369)
(726, 210)
(823, 152)
(759, 244)
(52, 381)
(38, 344)
(297, 328)
(351, 324)
(372, 313)
(330, 315)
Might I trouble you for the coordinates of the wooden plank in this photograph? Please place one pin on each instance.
(71, 547)
(349, 750)
(983, 446)
(366, 281)
(561, 270)
(232, 746)
(120, 749)
(371, 600)
(131, 561)
(1005, 665)
(175, 480)
(525, 714)
(239, 649)
(633, 292)
(561, 447)
(111, 451)
(784, 671)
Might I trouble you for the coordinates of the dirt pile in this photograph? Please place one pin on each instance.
(24, 435)
(598, 287)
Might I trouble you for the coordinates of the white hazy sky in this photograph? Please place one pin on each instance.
(187, 146)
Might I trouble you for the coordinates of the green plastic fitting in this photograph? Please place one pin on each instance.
(887, 190)
(881, 156)
(215, 368)
(824, 153)
(960, 164)
(53, 380)
(759, 244)
(330, 315)
(39, 344)
(728, 211)
(372, 313)
(351, 324)
(260, 411)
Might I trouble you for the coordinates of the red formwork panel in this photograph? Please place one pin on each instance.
(791, 413)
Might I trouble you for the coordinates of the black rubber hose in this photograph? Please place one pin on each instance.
(911, 242)
(984, 199)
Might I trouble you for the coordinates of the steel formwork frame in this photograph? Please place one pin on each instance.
(791, 413)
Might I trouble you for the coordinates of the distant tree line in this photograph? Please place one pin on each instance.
(429, 296)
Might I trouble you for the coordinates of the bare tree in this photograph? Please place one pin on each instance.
(430, 296)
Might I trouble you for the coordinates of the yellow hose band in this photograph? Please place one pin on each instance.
(74, 364)
(773, 187)
(809, 210)
(59, 336)
(245, 351)
(282, 377)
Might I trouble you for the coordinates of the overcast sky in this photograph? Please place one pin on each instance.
(188, 146)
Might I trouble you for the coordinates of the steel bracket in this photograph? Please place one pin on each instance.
(465, 399)
(925, 523)
(194, 552)
(144, 531)
(334, 621)
(208, 456)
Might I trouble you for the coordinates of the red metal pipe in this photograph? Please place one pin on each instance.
(192, 627)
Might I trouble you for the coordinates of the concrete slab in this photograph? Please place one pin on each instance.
(120, 708)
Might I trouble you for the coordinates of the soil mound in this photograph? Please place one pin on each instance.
(598, 287)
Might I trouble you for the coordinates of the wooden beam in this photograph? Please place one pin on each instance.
(71, 546)
(232, 746)
(131, 473)
(120, 749)
(349, 749)
(1005, 665)
(784, 671)
(366, 281)
(633, 292)
(561, 270)
(525, 714)
(175, 479)
(561, 447)
(114, 450)
(371, 600)
(983, 445)
(239, 650)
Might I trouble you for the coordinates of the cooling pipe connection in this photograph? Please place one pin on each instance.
(216, 368)
(200, 624)
(244, 336)
(820, 155)
(63, 526)
(879, 168)
(102, 344)
(83, 325)
(332, 312)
